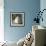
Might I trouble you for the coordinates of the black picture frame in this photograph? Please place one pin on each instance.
(17, 19)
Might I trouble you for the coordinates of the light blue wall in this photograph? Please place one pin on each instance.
(27, 6)
(43, 6)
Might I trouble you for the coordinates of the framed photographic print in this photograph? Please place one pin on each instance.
(17, 19)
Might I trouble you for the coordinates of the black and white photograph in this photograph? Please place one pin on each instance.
(17, 18)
